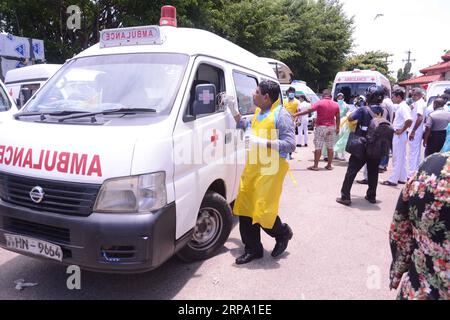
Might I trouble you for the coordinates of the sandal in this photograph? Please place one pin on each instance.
(313, 169)
(388, 183)
(329, 168)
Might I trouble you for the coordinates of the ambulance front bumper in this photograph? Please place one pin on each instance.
(115, 243)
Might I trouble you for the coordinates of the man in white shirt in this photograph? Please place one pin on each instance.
(416, 132)
(402, 122)
(302, 138)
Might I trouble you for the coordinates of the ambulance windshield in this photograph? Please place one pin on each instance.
(94, 84)
(351, 90)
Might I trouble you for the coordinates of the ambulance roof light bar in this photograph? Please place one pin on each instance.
(168, 16)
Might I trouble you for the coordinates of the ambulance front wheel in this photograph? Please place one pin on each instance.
(214, 223)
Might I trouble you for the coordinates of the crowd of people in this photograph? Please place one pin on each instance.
(371, 129)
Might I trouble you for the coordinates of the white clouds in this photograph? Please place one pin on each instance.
(419, 26)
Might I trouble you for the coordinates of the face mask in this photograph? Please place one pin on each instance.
(291, 96)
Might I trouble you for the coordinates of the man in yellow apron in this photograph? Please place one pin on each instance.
(272, 138)
(291, 104)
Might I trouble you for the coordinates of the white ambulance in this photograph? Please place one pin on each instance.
(138, 162)
(7, 106)
(355, 83)
(22, 83)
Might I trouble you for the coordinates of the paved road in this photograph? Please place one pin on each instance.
(336, 253)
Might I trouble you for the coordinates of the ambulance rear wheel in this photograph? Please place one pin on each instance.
(214, 223)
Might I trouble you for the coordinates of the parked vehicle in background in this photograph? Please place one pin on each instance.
(283, 72)
(22, 83)
(301, 88)
(7, 106)
(355, 83)
(435, 89)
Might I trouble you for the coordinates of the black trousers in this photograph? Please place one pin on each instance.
(251, 234)
(354, 166)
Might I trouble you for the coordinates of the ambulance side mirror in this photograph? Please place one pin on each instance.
(205, 99)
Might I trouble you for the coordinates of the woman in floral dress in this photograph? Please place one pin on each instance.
(420, 233)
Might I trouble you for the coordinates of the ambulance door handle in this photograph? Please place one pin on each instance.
(228, 137)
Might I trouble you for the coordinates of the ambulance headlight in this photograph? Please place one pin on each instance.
(138, 194)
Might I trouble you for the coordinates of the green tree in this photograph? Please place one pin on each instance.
(312, 37)
(316, 39)
(405, 73)
(372, 60)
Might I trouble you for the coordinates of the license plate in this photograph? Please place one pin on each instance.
(35, 246)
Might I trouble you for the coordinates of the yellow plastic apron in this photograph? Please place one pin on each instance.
(259, 193)
(291, 106)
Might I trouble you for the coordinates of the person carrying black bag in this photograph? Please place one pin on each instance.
(370, 142)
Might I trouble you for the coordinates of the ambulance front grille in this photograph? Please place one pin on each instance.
(66, 198)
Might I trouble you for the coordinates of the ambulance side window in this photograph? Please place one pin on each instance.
(245, 87)
(207, 74)
(4, 101)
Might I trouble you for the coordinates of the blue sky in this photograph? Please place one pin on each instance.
(422, 26)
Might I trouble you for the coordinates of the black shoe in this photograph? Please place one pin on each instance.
(402, 182)
(282, 244)
(299, 146)
(306, 145)
(344, 201)
(247, 257)
(372, 201)
(325, 159)
(365, 181)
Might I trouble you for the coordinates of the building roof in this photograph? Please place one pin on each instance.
(440, 66)
(422, 80)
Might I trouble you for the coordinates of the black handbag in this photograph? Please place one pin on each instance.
(356, 145)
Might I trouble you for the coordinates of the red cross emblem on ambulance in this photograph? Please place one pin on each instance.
(214, 138)
(206, 97)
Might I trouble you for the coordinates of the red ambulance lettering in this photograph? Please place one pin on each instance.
(38, 166)
(63, 162)
(78, 167)
(47, 165)
(9, 158)
(95, 167)
(28, 162)
(2, 151)
(17, 158)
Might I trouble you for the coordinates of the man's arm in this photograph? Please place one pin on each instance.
(338, 123)
(286, 134)
(416, 126)
(406, 126)
(355, 115)
(426, 136)
(428, 126)
(308, 111)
